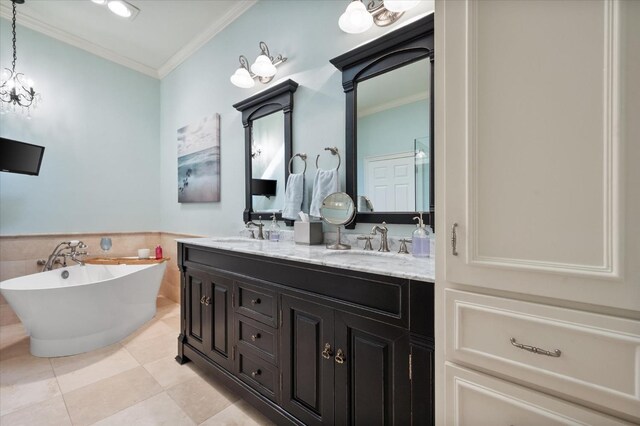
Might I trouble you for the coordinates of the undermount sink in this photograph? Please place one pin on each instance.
(363, 254)
(232, 240)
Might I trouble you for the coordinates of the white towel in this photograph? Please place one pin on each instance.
(293, 196)
(325, 183)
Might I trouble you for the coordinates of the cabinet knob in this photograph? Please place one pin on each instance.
(326, 353)
(256, 373)
(340, 357)
(255, 301)
(254, 337)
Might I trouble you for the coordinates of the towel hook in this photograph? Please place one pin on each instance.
(334, 151)
(303, 157)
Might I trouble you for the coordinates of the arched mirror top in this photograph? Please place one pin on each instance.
(267, 120)
(388, 85)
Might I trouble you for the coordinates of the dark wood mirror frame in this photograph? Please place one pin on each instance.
(396, 49)
(276, 98)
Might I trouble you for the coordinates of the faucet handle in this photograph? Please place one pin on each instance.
(367, 244)
(403, 246)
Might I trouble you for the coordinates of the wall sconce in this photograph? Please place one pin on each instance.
(264, 68)
(358, 18)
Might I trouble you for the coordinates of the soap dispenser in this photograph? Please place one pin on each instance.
(420, 239)
(274, 230)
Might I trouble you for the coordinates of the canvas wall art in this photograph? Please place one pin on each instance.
(199, 161)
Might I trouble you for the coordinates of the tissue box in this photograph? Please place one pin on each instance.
(307, 232)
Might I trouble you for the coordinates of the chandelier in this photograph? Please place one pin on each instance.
(16, 90)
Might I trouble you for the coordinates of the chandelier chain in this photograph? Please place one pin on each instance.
(13, 28)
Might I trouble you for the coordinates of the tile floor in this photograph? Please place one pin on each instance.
(133, 382)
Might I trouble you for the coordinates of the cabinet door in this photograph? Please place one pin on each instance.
(372, 373)
(538, 166)
(209, 324)
(307, 376)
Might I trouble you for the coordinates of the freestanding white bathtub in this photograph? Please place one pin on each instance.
(97, 305)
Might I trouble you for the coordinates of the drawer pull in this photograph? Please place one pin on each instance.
(535, 350)
(454, 240)
(255, 301)
(326, 353)
(256, 373)
(205, 300)
(255, 336)
(340, 357)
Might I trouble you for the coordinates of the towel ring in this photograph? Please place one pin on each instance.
(303, 157)
(334, 151)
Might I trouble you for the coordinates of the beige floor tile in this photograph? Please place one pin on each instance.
(51, 412)
(153, 349)
(168, 311)
(199, 399)
(7, 316)
(168, 372)
(13, 342)
(28, 390)
(76, 371)
(173, 323)
(23, 369)
(155, 411)
(163, 301)
(109, 396)
(153, 328)
(238, 414)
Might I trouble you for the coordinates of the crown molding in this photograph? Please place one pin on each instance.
(178, 58)
(393, 104)
(201, 39)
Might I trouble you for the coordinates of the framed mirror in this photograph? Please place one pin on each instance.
(267, 121)
(388, 85)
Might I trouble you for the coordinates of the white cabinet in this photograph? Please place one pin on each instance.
(538, 146)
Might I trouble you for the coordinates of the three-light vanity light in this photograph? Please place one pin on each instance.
(358, 18)
(263, 69)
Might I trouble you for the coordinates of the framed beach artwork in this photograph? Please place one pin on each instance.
(199, 161)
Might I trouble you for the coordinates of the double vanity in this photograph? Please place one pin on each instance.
(308, 335)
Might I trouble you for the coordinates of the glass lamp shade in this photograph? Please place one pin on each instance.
(355, 19)
(241, 78)
(399, 5)
(263, 67)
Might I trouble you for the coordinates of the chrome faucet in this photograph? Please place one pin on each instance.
(72, 252)
(384, 243)
(257, 225)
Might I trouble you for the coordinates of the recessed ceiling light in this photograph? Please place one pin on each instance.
(123, 8)
(100, 2)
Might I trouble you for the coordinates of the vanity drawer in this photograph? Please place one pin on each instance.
(484, 400)
(256, 302)
(257, 337)
(257, 373)
(596, 359)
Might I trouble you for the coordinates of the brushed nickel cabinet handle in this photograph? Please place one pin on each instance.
(340, 357)
(202, 300)
(255, 301)
(256, 373)
(254, 337)
(207, 301)
(326, 353)
(454, 240)
(556, 353)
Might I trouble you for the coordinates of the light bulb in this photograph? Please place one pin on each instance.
(263, 67)
(119, 8)
(356, 19)
(400, 5)
(242, 79)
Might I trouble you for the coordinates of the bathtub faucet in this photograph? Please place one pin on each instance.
(71, 248)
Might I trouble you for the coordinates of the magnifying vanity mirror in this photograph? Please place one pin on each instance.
(338, 209)
(388, 84)
(267, 120)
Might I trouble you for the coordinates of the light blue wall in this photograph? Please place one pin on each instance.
(100, 125)
(307, 33)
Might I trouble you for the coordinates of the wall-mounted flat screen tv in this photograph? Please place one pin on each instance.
(20, 157)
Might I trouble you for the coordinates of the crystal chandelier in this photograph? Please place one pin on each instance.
(16, 90)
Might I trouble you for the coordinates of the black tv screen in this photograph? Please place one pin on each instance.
(20, 157)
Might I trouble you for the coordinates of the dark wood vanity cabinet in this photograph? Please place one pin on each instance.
(310, 344)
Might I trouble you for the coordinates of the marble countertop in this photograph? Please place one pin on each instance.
(390, 264)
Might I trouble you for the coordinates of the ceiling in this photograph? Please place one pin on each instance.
(146, 44)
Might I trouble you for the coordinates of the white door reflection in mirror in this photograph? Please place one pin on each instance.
(267, 162)
(393, 139)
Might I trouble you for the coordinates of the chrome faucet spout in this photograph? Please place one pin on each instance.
(73, 253)
(384, 242)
